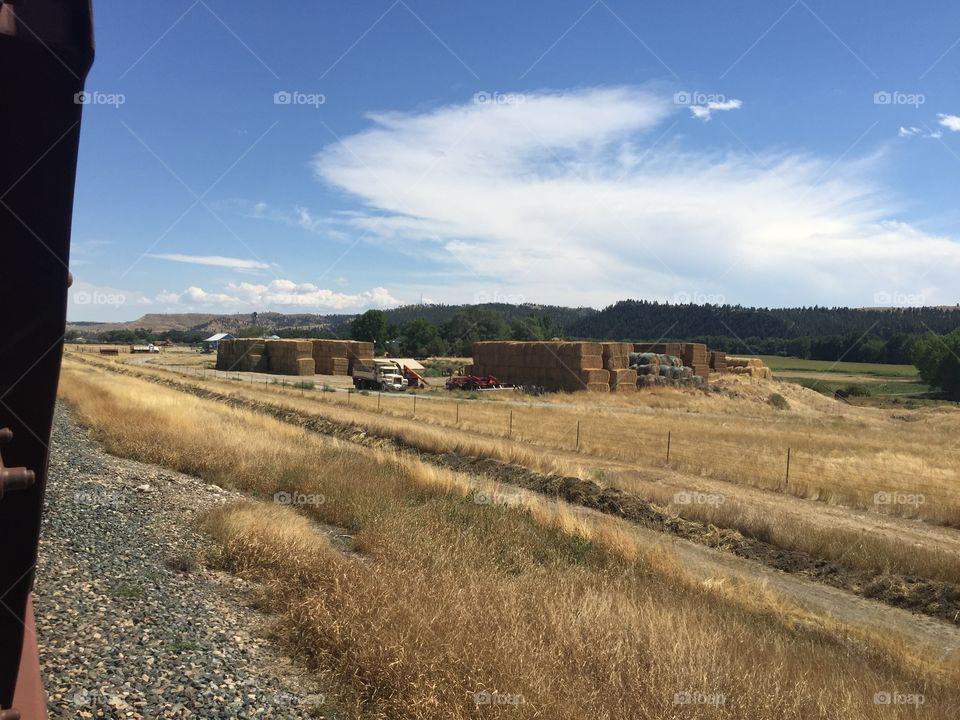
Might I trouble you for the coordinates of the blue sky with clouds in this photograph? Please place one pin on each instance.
(330, 157)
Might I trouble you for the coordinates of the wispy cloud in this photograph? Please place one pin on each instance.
(913, 131)
(705, 111)
(585, 197)
(213, 260)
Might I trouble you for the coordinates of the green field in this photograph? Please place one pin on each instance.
(786, 364)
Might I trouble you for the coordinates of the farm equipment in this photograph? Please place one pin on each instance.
(379, 375)
(414, 379)
(476, 382)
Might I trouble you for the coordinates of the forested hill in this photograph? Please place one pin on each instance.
(559, 317)
(632, 319)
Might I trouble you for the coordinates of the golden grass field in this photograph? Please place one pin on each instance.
(554, 614)
(798, 520)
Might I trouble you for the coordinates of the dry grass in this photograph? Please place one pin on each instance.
(839, 454)
(791, 531)
(452, 597)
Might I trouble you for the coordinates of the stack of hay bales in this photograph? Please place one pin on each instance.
(751, 366)
(616, 361)
(675, 349)
(695, 356)
(657, 364)
(242, 355)
(718, 361)
(557, 365)
(291, 357)
(337, 357)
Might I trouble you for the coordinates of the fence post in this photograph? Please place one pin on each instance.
(787, 481)
(578, 435)
(379, 394)
(510, 426)
(668, 446)
(414, 404)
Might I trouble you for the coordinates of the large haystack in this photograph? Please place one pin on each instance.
(337, 357)
(242, 355)
(696, 357)
(749, 366)
(569, 366)
(291, 357)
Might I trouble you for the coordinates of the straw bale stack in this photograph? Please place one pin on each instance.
(718, 361)
(337, 357)
(242, 355)
(749, 366)
(659, 348)
(623, 380)
(570, 366)
(696, 356)
(291, 357)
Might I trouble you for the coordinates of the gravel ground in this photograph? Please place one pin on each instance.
(129, 624)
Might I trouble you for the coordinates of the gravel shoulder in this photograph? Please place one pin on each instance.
(130, 623)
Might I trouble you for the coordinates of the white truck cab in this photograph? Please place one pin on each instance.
(380, 375)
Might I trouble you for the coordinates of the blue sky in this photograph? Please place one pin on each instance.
(331, 157)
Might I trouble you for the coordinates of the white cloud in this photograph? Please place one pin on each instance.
(913, 131)
(212, 260)
(279, 294)
(705, 111)
(576, 198)
(951, 122)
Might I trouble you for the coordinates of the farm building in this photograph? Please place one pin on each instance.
(213, 342)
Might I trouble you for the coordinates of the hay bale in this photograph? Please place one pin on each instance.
(305, 366)
(626, 378)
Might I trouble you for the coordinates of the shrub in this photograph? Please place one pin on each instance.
(778, 401)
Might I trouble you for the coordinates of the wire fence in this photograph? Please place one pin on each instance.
(779, 469)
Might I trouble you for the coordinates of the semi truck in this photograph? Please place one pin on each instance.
(379, 375)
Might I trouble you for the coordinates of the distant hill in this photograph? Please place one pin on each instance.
(885, 334)
(340, 324)
(204, 322)
(640, 319)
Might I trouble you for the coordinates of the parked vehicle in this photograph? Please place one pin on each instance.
(476, 382)
(379, 375)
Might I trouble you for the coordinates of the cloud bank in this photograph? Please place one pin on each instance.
(588, 196)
